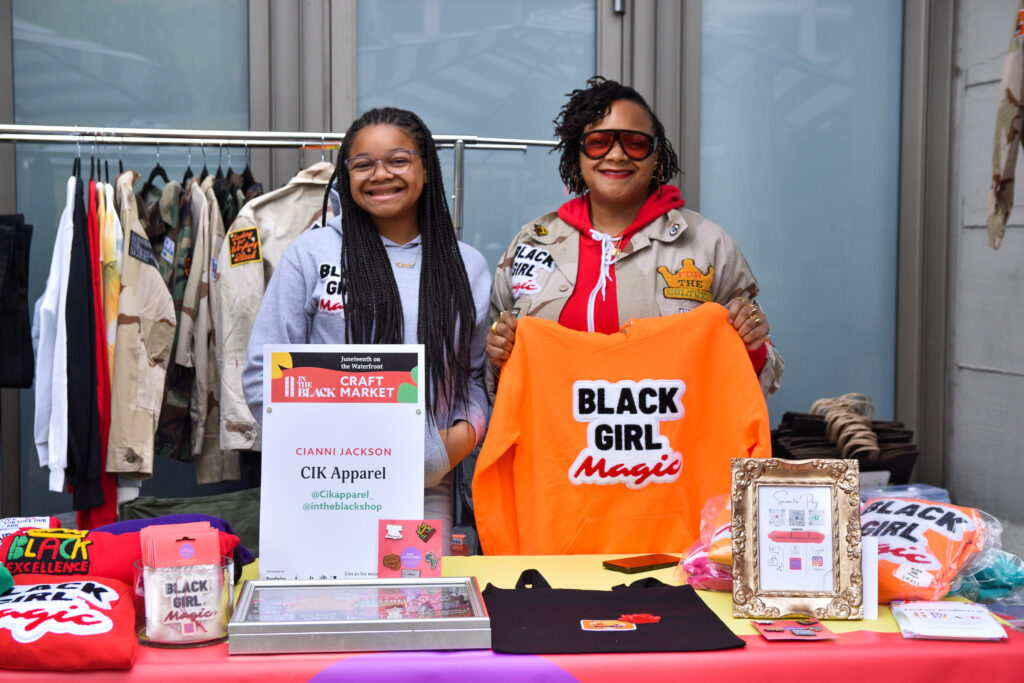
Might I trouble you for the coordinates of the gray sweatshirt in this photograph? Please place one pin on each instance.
(302, 306)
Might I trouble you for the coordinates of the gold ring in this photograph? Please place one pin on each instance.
(494, 328)
(756, 318)
(753, 309)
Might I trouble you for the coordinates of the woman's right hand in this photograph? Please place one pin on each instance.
(501, 338)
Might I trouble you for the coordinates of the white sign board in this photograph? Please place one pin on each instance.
(342, 448)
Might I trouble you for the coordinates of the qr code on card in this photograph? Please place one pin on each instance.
(776, 516)
(797, 517)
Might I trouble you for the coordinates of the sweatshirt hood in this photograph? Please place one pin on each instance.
(335, 220)
(576, 212)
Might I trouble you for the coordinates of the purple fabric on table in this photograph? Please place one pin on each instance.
(130, 525)
(472, 666)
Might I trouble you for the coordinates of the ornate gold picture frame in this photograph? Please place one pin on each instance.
(796, 538)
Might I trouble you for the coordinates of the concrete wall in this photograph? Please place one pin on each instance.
(986, 373)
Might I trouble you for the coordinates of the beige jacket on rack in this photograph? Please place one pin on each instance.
(212, 464)
(145, 333)
(251, 251)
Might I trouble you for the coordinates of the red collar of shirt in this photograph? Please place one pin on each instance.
(576, 212)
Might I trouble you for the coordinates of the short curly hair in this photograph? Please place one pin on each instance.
(592, 104)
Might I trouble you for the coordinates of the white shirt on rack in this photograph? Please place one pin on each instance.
(51, 418)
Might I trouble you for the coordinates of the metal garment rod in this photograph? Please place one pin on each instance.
(16, 133)
(180, 137)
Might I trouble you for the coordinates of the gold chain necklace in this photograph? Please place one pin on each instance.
(399, 264)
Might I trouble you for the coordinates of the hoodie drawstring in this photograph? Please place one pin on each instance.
(609, 251)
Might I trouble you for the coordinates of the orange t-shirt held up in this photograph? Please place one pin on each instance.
(612, 443)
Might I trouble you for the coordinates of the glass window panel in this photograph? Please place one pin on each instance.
(146, 63)
(800, 163)
(494, 68)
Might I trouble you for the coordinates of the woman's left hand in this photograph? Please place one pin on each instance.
(749, 321)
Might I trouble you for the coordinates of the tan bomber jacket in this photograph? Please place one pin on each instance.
(251, 251)
(672, 265)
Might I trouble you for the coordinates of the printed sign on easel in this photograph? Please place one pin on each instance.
(342, 448)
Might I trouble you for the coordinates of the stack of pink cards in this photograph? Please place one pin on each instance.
(184, 583)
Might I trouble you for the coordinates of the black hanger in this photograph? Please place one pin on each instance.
(106, 170)
(157, 172)
(220, 168)
(120, 163)
(188, 167)
(247, 179)
(205, 172)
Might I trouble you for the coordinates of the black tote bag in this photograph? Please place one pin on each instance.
(534, 618)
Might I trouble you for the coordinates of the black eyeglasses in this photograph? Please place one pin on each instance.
(637, 146)
(397, 161)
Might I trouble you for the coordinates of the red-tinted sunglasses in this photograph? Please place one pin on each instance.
(637, 146)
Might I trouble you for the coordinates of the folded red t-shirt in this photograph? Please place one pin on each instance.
(75, 623)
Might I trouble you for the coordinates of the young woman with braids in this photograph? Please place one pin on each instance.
(362, 278)
(624, 247)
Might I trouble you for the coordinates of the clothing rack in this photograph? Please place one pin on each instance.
(186, 137)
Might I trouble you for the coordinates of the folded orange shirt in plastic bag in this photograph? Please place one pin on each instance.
(922, 545)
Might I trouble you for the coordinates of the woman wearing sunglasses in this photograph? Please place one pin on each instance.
(624, 247)
(398, 276)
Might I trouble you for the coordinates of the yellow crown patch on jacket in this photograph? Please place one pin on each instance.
(689, 282)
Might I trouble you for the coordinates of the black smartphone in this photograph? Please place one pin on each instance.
(641, 563)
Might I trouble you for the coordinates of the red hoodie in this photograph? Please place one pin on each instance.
(576, 212)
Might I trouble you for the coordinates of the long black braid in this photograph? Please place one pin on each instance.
(593, 104)
(373, 308)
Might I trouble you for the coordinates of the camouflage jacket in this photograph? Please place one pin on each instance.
(173, 435)
(145, 333)
(251, 251)
(672, 265)
(1009, 123)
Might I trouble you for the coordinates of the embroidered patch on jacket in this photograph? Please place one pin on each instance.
(244, 246)
(688, 282)
(140, 248)
(527, 262)
(167, 253)
(539, 230)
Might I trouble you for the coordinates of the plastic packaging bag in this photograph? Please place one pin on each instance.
(916, 491)
(1011, 609)
(706, 564)
(994, 575)
(923, 545)
(700, 572)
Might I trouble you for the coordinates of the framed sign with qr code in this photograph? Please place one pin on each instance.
(796, 538)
